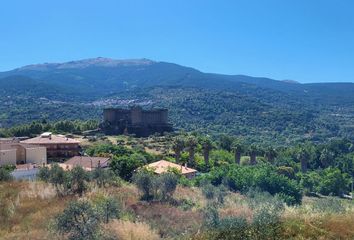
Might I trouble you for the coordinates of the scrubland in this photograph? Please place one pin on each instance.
(27, 210)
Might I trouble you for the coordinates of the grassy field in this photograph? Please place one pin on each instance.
(27, 210)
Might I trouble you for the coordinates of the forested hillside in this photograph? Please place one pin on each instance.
(257, 108)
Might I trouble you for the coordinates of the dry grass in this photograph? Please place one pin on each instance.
(235, 205)
(26, 209)
(39, 190)
(331, 227)
(305, 223)
(192, 194)
(170, 221)
(126, 230)
(33, 206)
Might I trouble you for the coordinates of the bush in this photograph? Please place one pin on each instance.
(82, 219)
(44, 174)
(211, 216)
(103, 177)
(125, 166)
(78, 180)
(100, 149)
(266, 222)
(215, 194)
(59, 179)
(65, 182)
(286, 171)
(79, 221)
(108, 208)
(334, 182)
(232, 228)
(166, 184)
(263, 177)
(5, 174)
(145, 182)
(159, 187)
(309, 182)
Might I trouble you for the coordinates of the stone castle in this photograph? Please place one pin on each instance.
(136, 121)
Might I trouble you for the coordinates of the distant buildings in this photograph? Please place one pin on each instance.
(13, 153)
(87, 163)
(57, 145)
(164, 166)
(136, 121)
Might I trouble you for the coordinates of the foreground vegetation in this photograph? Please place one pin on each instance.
(33, 210)
(243, 190)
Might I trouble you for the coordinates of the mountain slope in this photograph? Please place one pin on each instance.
(100, 76)
(215, 103)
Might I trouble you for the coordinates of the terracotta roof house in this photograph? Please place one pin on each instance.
(57, 145)
(163, 166)
(86, 162)
(19, 153)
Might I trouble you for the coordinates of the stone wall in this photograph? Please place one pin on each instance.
(136, 121)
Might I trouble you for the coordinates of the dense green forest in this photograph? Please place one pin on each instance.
(204, 111)
(259, 109)
(37, 127)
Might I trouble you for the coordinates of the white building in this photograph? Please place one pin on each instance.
(19, 153)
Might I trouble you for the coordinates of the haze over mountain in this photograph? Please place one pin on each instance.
(261, 104)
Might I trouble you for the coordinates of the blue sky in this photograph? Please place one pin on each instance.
(303, 40)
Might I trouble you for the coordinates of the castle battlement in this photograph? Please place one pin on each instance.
(135, 121)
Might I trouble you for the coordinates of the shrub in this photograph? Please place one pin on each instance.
(103, 177)
(211, 216)
(79, 221)
(144, 181)
(159, 187)
(183, 181)
(208, 191)
(266, 221)
(212, 193)
(5, 174)
(44, 174)
(59, 178)
(65, 182)
(98, 150)
(334, 182)
(286, 171)
(309, 182)
(125, 166)
(232, 228)
(108, 208)
(166, 185)
(263, 177)
(78, 180)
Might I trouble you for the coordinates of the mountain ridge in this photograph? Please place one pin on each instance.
(235, 104)
(101, 76)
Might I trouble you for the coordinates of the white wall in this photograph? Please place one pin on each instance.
(36, 155)
(8, 157)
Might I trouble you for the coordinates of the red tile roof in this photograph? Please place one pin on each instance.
(162, 166)
(86, 162)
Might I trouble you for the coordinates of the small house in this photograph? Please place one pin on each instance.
(164, 166)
